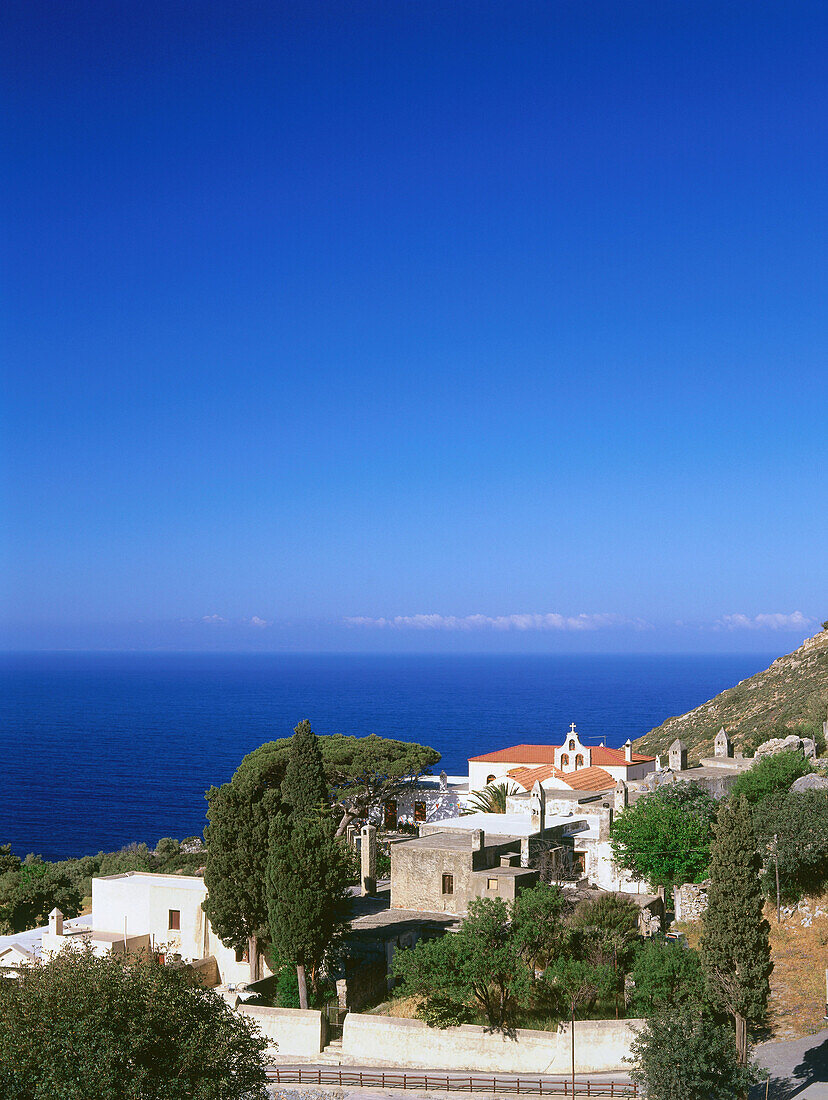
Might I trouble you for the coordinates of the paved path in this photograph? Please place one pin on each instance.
(798, 1068)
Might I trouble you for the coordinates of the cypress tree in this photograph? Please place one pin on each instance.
(304, 787)
(308, 874)
(735, 949)
(308, 869)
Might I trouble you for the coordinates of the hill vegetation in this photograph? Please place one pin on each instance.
(789, 697)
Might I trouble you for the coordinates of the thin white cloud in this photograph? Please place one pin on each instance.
(256, 621)
(213, 619)
(528, 621)
(772, 621)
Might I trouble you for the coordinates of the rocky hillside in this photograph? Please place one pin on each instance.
(789, 697)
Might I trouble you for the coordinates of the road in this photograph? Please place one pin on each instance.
(798, 1068)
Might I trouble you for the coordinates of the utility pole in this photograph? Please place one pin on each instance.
(776, 861)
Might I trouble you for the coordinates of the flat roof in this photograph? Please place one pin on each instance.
(189, 882)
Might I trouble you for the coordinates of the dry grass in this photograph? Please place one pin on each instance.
(800, 955)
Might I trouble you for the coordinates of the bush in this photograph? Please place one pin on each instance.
(80, 1026)
(769, 775)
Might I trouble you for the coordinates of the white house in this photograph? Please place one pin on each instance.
(141, 911)
(565, 759)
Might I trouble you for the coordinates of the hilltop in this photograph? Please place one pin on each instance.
(789, 697)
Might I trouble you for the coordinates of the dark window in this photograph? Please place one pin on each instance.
(564, 761)
(241, 954)
(175, 920)
(448, 884)
(571, 745)
(419, 811)
(490, 779)
(579, 761)
(390, 814)
(579, 863)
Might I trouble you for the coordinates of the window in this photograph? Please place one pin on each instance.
(564, 761)
(579, 761)
(175, 920)
(448, 884)
(419, 811)
(241, 954)
(579, 863)
(490, 779)
(571, 746)
(492, 883)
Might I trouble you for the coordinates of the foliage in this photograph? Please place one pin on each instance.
(666, 976)
(167, 848)
(237, 837)
(688, 1055)
(491, 800)
(365, 771)
(304, 788)
(8, 860)
(81, 1026)
(578, 981)
(664, 838)
(287, 989)
(479, 967)
(769, 775)
(539, 924)
(308, 873)
(361, 772)
(28, 896)
(800, 822)
(735, 950)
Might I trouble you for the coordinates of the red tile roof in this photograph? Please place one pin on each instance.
(602, 755)
(521, 754)
(528, 777)
(584, 779)
(589, 779)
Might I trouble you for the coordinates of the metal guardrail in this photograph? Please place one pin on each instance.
(450, 1082)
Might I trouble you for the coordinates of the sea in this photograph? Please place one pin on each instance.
(100, 750)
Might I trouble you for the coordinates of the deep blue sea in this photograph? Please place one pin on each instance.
(103, 749)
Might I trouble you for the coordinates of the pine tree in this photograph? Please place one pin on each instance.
(735, 948)
(304, 787)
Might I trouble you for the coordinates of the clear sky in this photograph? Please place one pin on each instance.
(377, 325)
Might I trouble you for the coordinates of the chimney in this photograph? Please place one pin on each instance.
(477, 839)
(443, 781)
(628, 751)
(56, 922)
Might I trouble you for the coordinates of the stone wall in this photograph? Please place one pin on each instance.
(206, 971)
(600, 1046)
(294, 1031)
(690, 901)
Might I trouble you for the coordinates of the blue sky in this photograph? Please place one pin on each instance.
(319, 318)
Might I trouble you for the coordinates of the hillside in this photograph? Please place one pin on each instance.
(789, 697)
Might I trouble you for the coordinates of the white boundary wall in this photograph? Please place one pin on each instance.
(600, 1045)
(295, 1031)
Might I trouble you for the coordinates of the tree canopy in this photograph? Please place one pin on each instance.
(666, 976)
(793, 828)
(688, 1055)
(478, 968)
(664, 838)
(80, 1026)
(29, 894)
(770, 775)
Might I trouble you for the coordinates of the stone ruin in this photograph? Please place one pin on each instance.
(792, 743)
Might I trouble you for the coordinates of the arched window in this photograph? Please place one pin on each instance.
(564, 760)
(490, 779)
(571, 746)
(579, 761)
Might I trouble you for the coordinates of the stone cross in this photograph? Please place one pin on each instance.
(368, 859)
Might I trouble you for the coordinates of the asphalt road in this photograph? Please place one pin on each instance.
(798, 1068)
